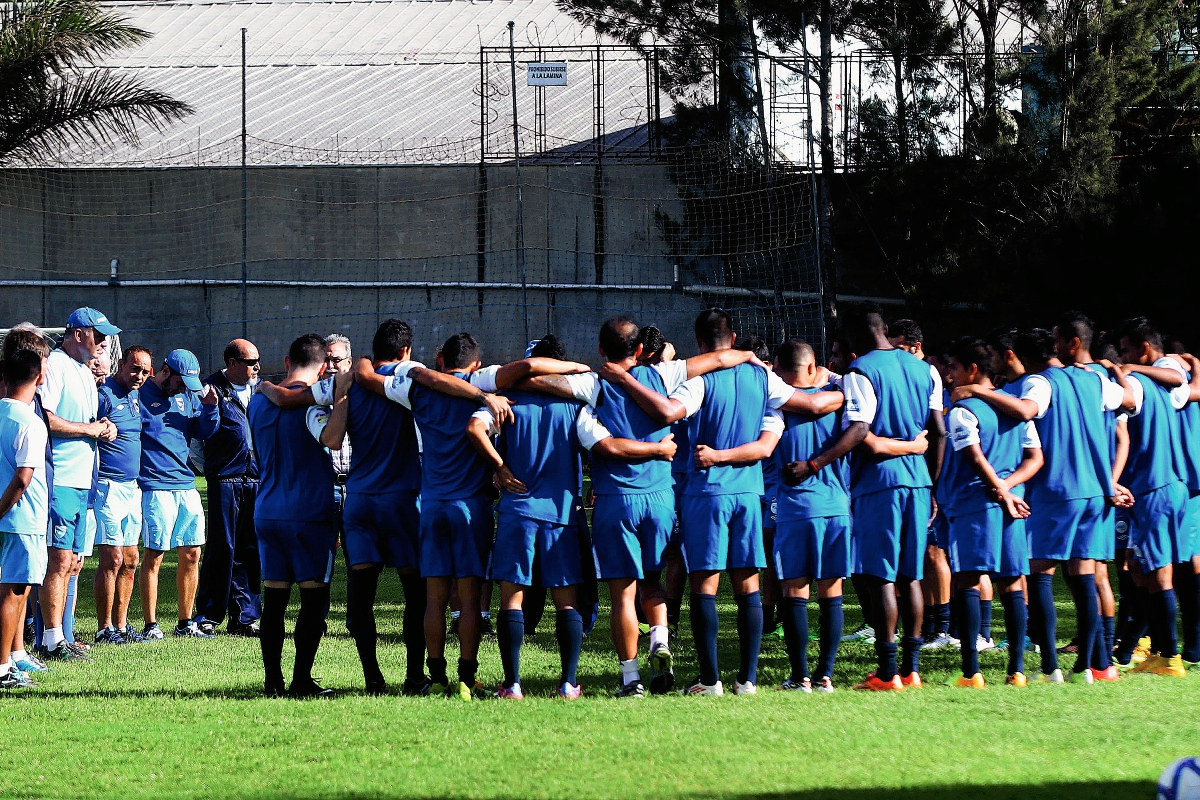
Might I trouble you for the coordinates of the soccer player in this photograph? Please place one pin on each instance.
(24, 506)
(720, 521)
(980, 492)
(1159, 537)
(1188, 584)
(293, 516)
(1067, 496)
(1072, 344)
(537, 463)
(893, 395)
(118, 498)
(176, 408)
(68, 396)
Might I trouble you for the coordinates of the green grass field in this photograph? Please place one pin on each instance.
(185, 718)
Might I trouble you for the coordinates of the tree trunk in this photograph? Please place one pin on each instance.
(987, 29)
(736, 81)
(828, 165)
(901, 106)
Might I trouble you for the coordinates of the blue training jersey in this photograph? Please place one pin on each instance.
(825, 494)
(543, 452)
(625, 420)
(1074, 440)
(1189, 426)
(960, 489)
(295, 472)
(1156, 457)
(735, 401)
(120, 459)
(451, 469)
(384, 451)
(903, 385)
(168, 425)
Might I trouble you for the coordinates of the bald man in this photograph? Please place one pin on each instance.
(230, 575)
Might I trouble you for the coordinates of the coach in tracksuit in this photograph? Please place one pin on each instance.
(230, 576)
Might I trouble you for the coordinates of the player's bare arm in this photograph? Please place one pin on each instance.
(1014, 506)
(15, 489)
(799, 471)
(510, 374)
(1003, 402)
(633, 450)
(817, 404)
(479, 435)
(663, 410)
(719, 359)
(335, 429)
(749, 453)
(890, 448)
(1032, 460)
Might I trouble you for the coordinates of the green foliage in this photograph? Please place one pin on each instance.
(51, 94)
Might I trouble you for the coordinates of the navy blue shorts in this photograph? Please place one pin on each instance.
(519, 540)
(722, 531)
(630, 533)
(988, 541)
(812, 547)
(383, 529)
(456, 537)
(1158, 533)
(1068, 529)
(891, 529)
(294, 551)
(939, 531)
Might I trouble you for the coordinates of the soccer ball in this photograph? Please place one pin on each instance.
(1180, 780)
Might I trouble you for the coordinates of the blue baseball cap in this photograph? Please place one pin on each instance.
(186, 366)
(91, 318)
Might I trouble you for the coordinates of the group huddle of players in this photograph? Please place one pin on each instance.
(1005, 458)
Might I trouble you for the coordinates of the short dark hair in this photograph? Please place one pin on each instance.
(549, 346)
(970, 350)
(714, 326)
(1035, 345)
(460, 350)
(307, 350)
(1138, 330)
(862, 322)
(392, 338)
(754, 343)
(19, 339)
(1076, 325)
(1002, 338)
(21, 367)
(792, 353)
(908, 329)
(652, 340)
(133, 350)
(619, 338)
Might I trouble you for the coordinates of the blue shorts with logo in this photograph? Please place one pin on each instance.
(770, 511)
(118, 513)
(68, 519)
(891, 529)
(1069, 529)
(1122, 527)
(520, 540)
(456, 537)
(382, 528)
(1158, 533)
(988, 541)
(294, 551)
(630, 533)
(722, 531)
(939, 531)
(172, 518)
(23, 558)
(812, 547)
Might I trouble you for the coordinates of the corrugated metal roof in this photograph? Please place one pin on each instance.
(357, 81)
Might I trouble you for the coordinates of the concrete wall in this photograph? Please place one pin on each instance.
(347, 224)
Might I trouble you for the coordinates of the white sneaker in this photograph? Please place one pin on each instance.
(982, 645)
(824, 687)
(744, 688)
(698, 688)
(1053, 677)
(939, 642)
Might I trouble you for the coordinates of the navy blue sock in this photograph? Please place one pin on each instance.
(1044, 619)
(510, 632)
(1163, 609)
(704, 634)
(910, 644)
(1087, 616)
(927, 622)
(1100, 656)
(1109, 624)
(794, 613)
(885, 652)
(985, 618)
(833, 621)
(969, 603)
(1016, 619)
(1187, 587)
(568, 629)
(749, 628)
(1127, 599)
(941, 618)
(953, 618)
(437, 670)
(1135, 604)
